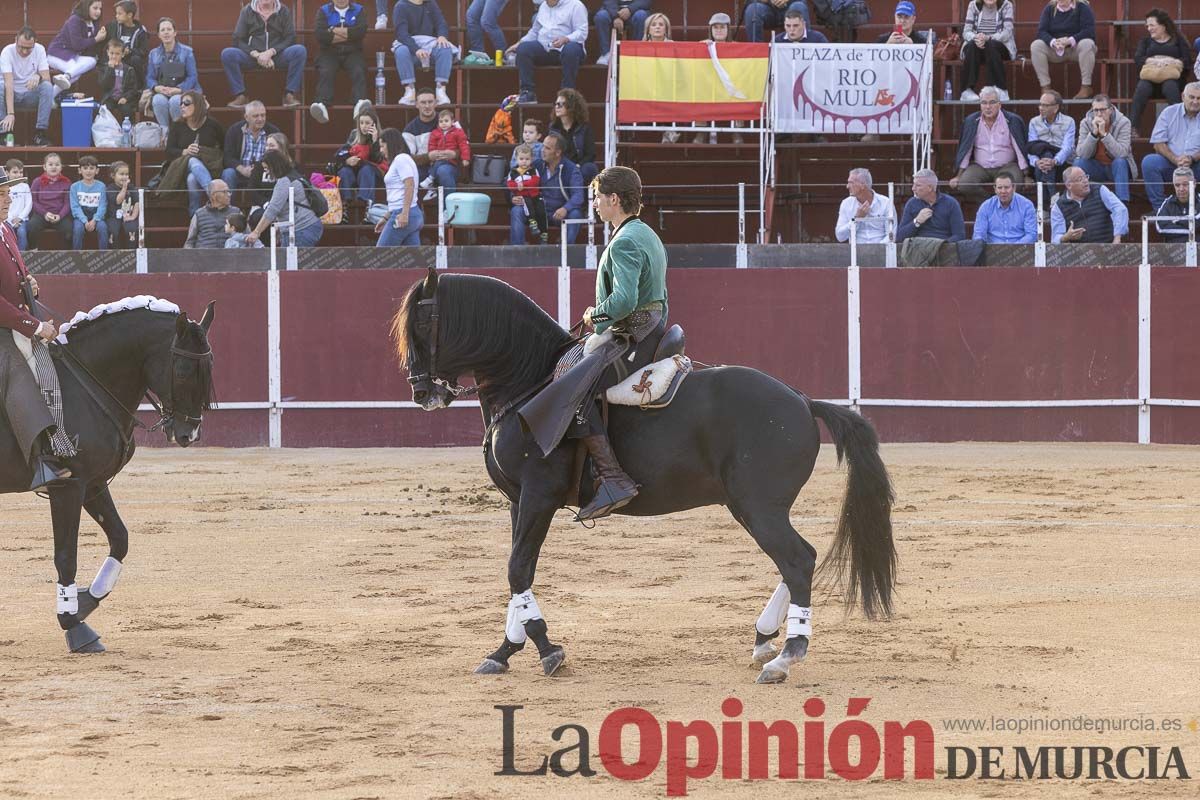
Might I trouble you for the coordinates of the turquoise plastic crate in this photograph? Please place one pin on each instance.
(467, 208)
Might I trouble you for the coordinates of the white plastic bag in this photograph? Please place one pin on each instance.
(106, 131)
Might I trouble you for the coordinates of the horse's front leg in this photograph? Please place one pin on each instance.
(531, 522)
(102, 509)
(66, 503)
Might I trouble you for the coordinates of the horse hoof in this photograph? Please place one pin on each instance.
(87, 604)
(490, 667)
(763, 653)
(83, 639)
(771, 676)
(552, 661)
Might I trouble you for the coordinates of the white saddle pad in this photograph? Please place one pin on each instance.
(648, 386)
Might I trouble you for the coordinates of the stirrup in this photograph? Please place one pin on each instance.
(47, 471)
(604, 503)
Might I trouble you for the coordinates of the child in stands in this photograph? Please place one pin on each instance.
(120, 82)
(123, 208)
(450, 137)
(129, 31)
(235, 226)
(51, 201)
(89, 202)
(22, 201)
(525, 181)
(531, 134)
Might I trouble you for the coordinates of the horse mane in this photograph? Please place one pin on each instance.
(484, 320)
(84, 319)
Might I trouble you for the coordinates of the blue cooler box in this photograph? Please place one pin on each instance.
(467, 208)
(77, 122)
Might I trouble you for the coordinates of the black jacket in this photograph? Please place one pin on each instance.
(253, 35)
(131, 86)
(327, 16)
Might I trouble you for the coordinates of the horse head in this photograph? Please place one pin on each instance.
(190, 390)
(416, 332)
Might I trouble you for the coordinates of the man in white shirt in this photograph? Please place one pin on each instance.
(873, 210)
(559, 31)
(25, 81)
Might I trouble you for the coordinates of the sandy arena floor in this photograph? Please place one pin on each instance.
(304, 624)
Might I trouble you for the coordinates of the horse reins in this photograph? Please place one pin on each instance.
(432, 376)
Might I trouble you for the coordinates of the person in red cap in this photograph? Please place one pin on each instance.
(29, 418)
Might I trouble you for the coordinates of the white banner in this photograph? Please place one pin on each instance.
(852, 88)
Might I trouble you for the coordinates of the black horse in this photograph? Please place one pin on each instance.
(733, 436)
(105, 369)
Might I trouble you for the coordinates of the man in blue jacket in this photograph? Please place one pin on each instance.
(929, 213)
(341, 27)
(992, 142)
(562, 192)
(265, 37)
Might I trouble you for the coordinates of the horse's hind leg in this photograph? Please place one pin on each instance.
(66, 503)
(102, 509)
(796, 560)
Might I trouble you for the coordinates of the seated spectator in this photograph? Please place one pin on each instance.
(1051, 143)
(556, 37)
(402, 226)
(51, 192)
(992, 142)
(289, 194)
(264, 37)
(626, 17)
(1006, 218)
(1176, 140)
(930, 213)
(1176, 206)
(235, 228)
(171, 72)
(795, 30)
(1104, 149)
(872, 210)
(1066, 32)
(906, 18)
(123, 208)
(761, 14)
(988, 40)
(22, 201)
(562, 191)
(571, 120)
(341, 28)
(438, 163)
(382, 17)
(531, 134)
(73, 51)
(262, 182)
(363, 166)
(207, 228)
(1084, 214)
(245, 145)
(658, 28)
(25, 83)
(89, 203)
(119, 81)
(201, 140)
(718, 31)
(1166, 45)
(129, 31)
(421, 32)
(447, 137)
(524, 186)
(483, 16)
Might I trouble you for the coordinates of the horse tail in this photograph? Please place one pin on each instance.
(863, 542)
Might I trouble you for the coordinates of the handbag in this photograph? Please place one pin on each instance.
(948, 48)
(1161, 68)
(148, 136)
(489, 169)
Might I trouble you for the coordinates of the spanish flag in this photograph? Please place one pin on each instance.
(685, 81)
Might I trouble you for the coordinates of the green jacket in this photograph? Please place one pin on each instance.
(632, 273)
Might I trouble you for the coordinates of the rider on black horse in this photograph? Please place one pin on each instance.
(631, 302)
(24, 403)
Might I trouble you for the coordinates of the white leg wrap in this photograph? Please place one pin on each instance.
(772, 617)
(799, 621)
(68, 599)
(521, 608)
(106, 578)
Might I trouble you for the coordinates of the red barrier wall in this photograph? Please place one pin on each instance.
(940, 334)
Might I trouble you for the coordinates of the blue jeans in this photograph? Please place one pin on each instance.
(634, 27)
(101, 234)
(166, 109)
(364, 177)
(292, 59)
(391, 236)
(483, 17)
(445, 173)
(518, 223)
(1116, 173)
(198, 180)
(383, 7)
(41, 98)
(442, 59)
(1156, 173)
(532, 54)
(233, 179)
(308, 237)
(23, 236)
(765, 15)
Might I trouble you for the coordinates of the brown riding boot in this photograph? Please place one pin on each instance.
(616, 488)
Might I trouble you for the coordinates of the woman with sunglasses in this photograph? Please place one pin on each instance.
(201, 140)
(571, 120)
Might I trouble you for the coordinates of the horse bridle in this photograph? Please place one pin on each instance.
(166, 412)
(432, 376)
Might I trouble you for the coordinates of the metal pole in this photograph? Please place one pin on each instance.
(291, 251)
(274, 389)
(1039, 247)
(1144, 343)
(854, 241)
(590, 261)
(742, 259)
(1190, 247)
(890, 248)
(853, 332)
(440, 260)
(142, 261)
